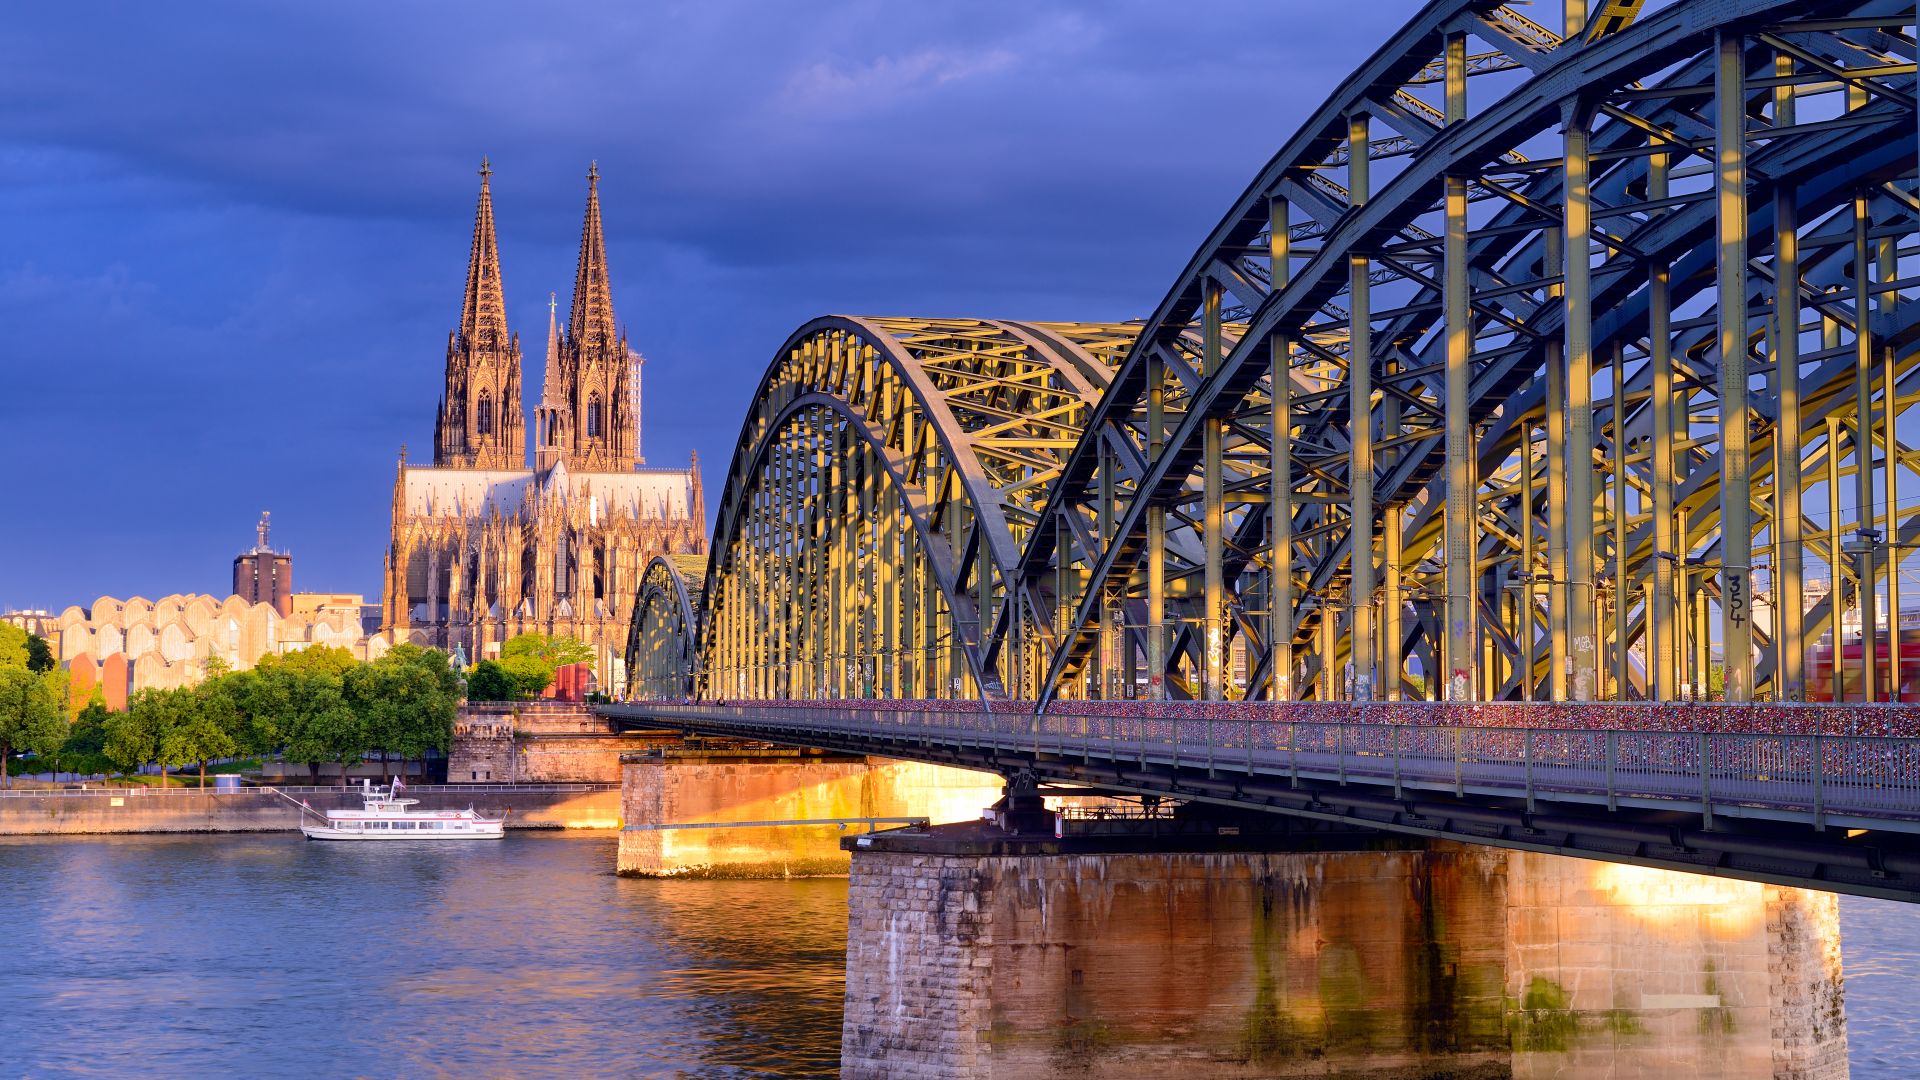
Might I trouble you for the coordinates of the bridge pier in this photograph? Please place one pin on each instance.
(1256, 949)
(698, 784)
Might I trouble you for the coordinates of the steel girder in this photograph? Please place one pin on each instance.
(662, 660)
(1390, 320)
(1478, 321)
(879, 496)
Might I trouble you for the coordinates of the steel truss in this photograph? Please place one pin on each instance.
(878, 500)
(663, 657)
(1550, 342)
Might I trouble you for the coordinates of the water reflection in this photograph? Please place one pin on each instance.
(270, 956)
(1880, 940)
(273, 956)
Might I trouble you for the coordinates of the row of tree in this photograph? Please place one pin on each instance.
(315, 706)
(33, 696)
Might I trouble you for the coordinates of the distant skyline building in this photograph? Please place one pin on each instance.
(484, 547)
(263, 575)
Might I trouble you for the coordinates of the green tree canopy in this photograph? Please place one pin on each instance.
(320, 725)
(209, 717)
(85, 747)
(557, 652)
(406, 700)
(530, 674)
(312, 660)
(134, 737)
(33, 712)
(40, 654)
(490, 682)
(13, 646)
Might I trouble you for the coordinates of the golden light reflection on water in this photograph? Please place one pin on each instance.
(1670, 900)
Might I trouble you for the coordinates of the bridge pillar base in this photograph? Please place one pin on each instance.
(975, 953)
(687, 785)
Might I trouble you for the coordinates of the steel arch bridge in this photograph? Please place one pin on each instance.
(1527, 357)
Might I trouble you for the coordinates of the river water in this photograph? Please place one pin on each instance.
(266, 955)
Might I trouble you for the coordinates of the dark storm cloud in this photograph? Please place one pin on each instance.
(234, 234)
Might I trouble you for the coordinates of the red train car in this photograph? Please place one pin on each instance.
(1820, 668)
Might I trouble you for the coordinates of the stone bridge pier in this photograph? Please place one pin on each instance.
(706, 808)
(1246, 947)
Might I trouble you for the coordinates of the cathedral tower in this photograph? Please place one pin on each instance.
(598, 426)
(480, 426)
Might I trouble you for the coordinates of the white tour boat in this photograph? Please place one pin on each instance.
(386, 817)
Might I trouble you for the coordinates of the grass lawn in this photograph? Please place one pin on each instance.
(187, 777)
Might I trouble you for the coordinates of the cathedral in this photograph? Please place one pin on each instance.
(484, 547)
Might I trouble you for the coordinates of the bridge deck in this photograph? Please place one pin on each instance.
(1838, 811)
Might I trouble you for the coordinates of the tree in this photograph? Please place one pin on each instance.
(321, 726)
(530, 674)
(84, 750)
(407, 700)
(159, 716)
(210, 717)
(13, 646)
(330, 660)
(556, 651)
(40, 654)
(133, 737)
(232, 701)
(33, 714)
(490, 682)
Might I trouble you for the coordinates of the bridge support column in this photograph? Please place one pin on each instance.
(1208, 951)
(682, 786)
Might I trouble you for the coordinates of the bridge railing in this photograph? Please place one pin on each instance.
(1818, 777)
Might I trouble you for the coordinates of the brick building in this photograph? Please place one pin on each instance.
(263, 575)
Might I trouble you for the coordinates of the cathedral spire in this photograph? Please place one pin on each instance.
(591, 323)
(551, 384)
(550, 416)
(483, 317)
(479, 424)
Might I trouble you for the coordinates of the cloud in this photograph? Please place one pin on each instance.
(887, 82)
(259, 213)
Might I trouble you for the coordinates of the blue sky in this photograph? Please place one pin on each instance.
(233, 236)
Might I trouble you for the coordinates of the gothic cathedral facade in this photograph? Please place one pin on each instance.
(484, 547)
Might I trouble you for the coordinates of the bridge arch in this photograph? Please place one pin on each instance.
(1484, 338)
(877, 499)
(662, 660)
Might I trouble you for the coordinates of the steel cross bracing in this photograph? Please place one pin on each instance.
(662, 658)
(1469, 334)
(878, 499)
(1551, 319)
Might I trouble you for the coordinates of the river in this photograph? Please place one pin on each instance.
(266, 955)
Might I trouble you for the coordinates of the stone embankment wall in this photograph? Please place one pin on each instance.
(775, 785)
(538, 743)
(138, 810)
(1456, 961)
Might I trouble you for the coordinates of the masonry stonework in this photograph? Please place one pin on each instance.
(539, 742)
(1451, 961)
(704, 785)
